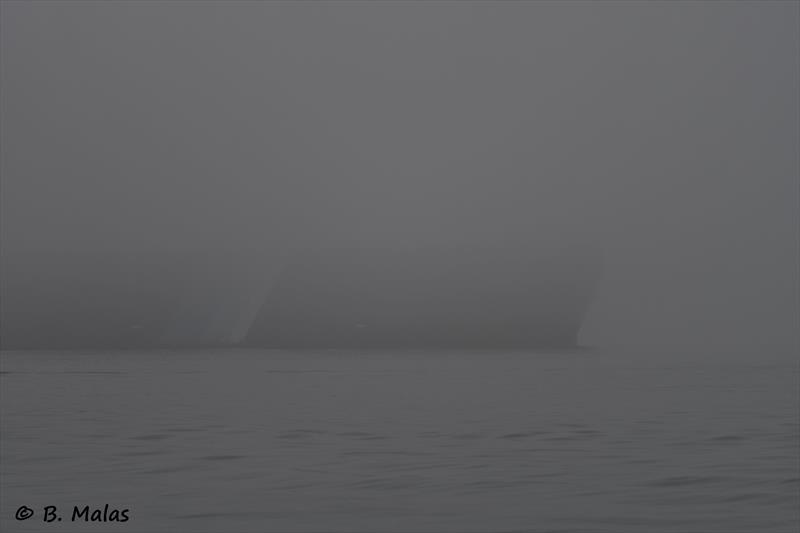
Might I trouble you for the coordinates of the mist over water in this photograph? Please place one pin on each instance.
(661, 137)
(663, 134)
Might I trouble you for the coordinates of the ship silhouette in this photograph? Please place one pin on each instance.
(318, 298)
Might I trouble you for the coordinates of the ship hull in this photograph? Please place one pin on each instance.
(82, 300)
(442, 298)
(363, 298)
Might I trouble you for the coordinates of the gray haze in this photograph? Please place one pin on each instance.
(665, 133)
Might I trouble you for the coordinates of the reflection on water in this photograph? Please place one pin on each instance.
(338, 441)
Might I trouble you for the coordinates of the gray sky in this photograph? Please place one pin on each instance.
(667, 133)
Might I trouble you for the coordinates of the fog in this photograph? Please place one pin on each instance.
(665, 134)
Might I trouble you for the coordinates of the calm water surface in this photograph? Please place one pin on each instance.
(401, 441)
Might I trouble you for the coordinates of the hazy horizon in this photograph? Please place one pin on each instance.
(666, 134)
